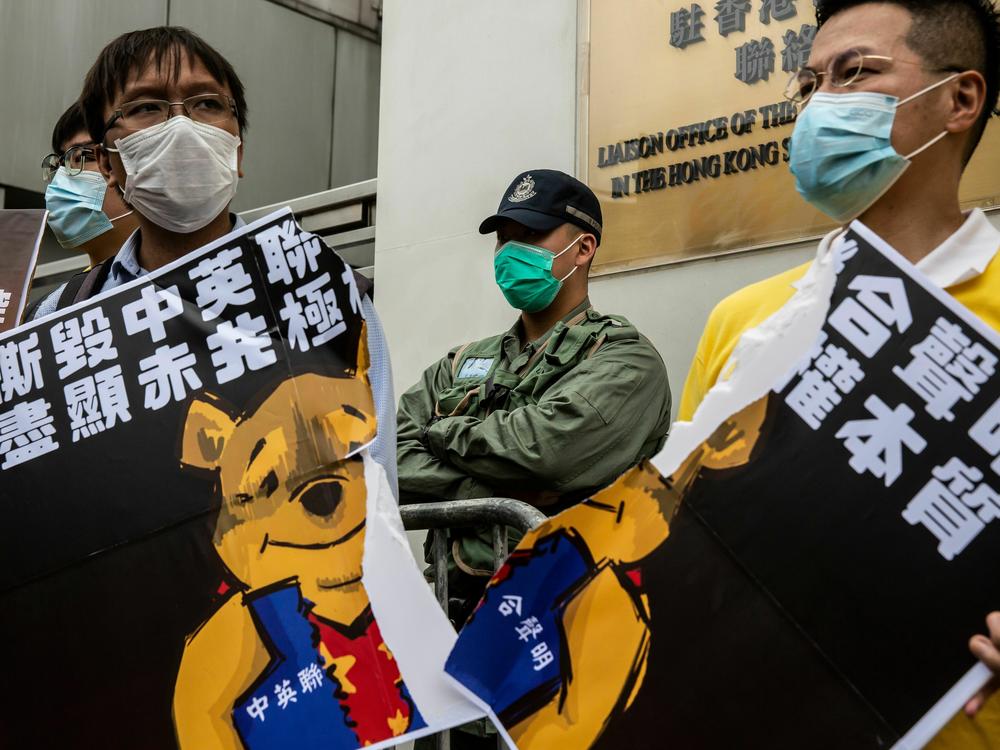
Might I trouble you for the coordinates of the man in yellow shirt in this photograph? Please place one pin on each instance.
(894, 101)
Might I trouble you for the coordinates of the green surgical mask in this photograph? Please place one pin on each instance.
(524, 275)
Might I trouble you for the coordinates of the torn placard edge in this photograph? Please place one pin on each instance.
(796, 325)
(485, 708)
(437, 638)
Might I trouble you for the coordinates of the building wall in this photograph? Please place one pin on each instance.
(498, 95)
(310, 85)
(46, 47)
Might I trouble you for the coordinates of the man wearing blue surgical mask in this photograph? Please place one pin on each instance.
(83, 214)
(893, 102)
(552, 409)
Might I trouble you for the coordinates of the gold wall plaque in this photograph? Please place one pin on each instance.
(687, 129)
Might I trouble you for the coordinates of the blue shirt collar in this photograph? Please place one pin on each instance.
(125, 267)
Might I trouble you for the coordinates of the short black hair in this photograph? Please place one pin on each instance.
(161, 46)
(947, 34)
(70, 123)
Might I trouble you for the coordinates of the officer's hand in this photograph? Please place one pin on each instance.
(987, 650)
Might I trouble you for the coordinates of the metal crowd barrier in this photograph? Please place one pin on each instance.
(437, 518)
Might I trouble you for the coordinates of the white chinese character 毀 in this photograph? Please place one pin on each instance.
(310, 678)
(285, 694)
(221, 281)
(541, 656)
(257, 707)
(165, 372)
(97, 402)
(529, 628)
(20, 368)
(318, 320)
(151, 310)
(82, 342)
(237, 348)
(876, 445)
(510, 605)
(287, 250)
(26, 432)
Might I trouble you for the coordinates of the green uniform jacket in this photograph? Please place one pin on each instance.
(559, 418)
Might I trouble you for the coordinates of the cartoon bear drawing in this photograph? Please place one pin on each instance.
(574, 592)
(293, 658)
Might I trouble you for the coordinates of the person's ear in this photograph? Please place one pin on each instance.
(966, 101)
(239, 159)
(587, 248)
(104, 165)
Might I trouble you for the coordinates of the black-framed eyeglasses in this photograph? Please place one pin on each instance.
(851, 66)
(75, 160)
(210, 109)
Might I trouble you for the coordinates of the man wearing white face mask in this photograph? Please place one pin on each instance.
(894, 99)
(83, 213)
(169, 113)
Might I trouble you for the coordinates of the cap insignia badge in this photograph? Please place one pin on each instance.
(525, 189)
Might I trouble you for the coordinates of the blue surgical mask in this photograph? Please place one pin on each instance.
(841, 152)
(75, 204)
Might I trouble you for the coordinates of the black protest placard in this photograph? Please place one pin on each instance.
(809, 576)
(866, 510)
(107, 561)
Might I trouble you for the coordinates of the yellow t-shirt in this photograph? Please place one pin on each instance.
(748, 308)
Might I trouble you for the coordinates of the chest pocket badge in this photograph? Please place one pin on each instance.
(475, 367)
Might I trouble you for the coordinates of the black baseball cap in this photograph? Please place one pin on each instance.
(543, 199)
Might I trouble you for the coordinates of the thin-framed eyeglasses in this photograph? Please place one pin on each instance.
(75, 160)
(851, 66)
(210, 109)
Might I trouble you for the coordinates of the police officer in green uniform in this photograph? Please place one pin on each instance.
(552, 409)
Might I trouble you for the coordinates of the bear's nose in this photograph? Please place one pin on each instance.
(322, 499)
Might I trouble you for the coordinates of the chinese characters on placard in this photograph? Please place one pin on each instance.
(944, 368)
(94, 382)
(530, 631)
(310, 678)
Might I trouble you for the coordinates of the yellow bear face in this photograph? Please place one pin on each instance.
(291, 485)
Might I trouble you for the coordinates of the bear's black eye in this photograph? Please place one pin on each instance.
(242, 498)
(322, 499)
(270, 484)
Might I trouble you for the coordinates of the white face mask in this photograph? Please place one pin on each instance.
(181, 174)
